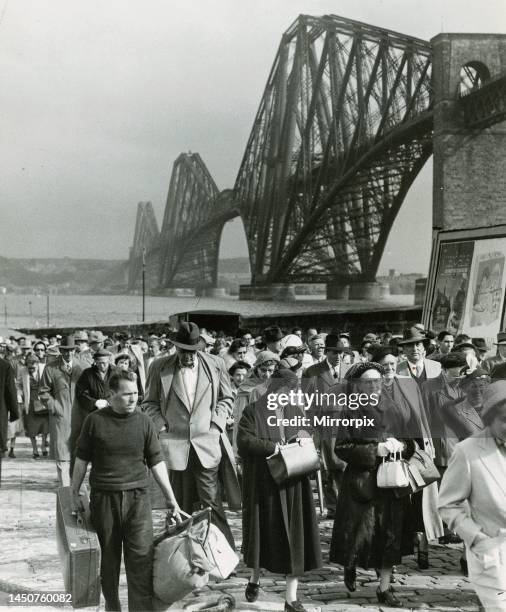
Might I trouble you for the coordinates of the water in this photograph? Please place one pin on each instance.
(92, 311)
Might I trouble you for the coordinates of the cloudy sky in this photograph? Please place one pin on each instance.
(98, 98)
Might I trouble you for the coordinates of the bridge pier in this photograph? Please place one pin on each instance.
(369, 291)
(211, 292)
(338, 291)
(276, 292)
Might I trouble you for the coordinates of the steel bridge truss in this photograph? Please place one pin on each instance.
(343, 128)
(194, 217)
(146, 236)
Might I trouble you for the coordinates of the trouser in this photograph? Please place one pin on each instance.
(63, 471)
(122, 519)
(198, 482)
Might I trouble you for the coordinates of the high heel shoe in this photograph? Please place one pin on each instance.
(350, 578)
(251, 592)
(389, 598)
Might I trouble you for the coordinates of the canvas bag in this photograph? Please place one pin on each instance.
(393, 473)
(421, 471)
(180, 562)
(220, 554)
(294, 459)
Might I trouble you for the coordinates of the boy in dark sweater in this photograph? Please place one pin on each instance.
(120, 442)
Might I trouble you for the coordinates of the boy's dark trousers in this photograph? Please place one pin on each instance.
(122, 520)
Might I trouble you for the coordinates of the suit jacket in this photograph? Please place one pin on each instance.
(166, 402)
(23, 386)
(8, 400)
(432, 368)
(472, 496)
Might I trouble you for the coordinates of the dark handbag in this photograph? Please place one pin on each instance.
(39, 408)
(294, 459)
(421, 471)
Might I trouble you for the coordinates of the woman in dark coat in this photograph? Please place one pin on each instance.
(371, 528)
(280, 530)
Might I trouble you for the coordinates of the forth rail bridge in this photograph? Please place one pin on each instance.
(349, 116)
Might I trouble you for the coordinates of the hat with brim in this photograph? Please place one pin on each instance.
(264, 356)
(501, 338)
(413, 336)
(480, 344)
(272, 334)
(463, 345)
(332, 343)
(101, 353)
(207, 338)
(187, 337)
(67, 344)
(96, 336)
(453, 360)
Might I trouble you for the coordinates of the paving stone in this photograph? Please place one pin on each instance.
(27, 531)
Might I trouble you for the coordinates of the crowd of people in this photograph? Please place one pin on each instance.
(201, 400)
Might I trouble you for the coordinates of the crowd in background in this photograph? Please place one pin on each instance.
(445, 387)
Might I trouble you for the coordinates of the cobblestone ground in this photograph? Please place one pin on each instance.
(29, 560)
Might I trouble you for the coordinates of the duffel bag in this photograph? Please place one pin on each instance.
(180, 561)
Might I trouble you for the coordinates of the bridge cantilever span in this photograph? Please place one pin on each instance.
(344, 126)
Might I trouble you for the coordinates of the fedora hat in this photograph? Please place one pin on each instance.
(332, 343)
(68, 343)
(81, 335)
(412, 336)
(501, 338)
(480, 344)
(187, 337)
(272, 333)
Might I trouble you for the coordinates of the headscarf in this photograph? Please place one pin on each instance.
(357, 369)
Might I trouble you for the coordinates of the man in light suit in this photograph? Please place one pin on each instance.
(318, 379)
(414, 344)
(189, 397)
(472, 499)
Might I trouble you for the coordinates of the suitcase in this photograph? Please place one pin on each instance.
(79, 551)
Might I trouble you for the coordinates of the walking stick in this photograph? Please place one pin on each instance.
(320, 491)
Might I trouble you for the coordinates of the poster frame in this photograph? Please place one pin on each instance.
(440, 237)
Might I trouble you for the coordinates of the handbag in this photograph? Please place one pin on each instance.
(39, 408)
(294, 459)
(393, 474)
(422, 472)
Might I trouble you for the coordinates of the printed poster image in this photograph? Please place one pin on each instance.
(484, 301)
(452, 281)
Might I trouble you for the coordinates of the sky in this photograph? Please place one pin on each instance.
(98, 99)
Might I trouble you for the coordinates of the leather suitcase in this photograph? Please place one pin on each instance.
(79, 551)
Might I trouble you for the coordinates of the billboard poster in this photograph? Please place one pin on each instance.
(484, 300)
(451, 288)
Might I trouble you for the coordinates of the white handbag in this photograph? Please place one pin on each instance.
(393, 474)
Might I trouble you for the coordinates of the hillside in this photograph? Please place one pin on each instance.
(65, 275)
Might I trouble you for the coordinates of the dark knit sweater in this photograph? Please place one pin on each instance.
(118, 447)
